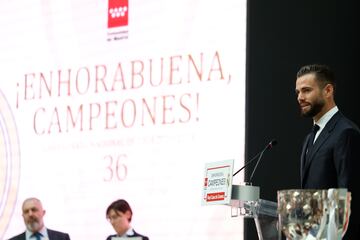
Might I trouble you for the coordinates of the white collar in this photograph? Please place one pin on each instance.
(129, 232)
(43, 231)
(326, 117)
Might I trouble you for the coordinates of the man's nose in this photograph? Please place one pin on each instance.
(300, 97)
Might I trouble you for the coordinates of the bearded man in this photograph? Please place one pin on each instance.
(330, 155)
(33, 214)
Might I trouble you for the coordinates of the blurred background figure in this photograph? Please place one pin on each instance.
(33, 214)
(119, 214)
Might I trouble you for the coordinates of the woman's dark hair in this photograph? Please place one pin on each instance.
(119, 205)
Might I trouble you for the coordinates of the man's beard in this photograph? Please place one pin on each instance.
(315, 108)
(33, 226)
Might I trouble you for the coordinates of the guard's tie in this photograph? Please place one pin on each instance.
(37, 236)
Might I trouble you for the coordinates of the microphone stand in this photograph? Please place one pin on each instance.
(260, 154)
(257, 163)
(248, 163)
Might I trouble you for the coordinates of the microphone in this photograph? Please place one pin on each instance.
(270, 145)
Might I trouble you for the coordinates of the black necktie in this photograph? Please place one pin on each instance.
(312, 137)
(37, 236)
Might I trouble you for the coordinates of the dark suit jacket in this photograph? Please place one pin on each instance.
(334, 162)
(53, 235)
(135, 235)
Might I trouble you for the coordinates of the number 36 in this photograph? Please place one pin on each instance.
(115, 168)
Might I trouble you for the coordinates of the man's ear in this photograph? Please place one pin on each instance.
(329, 90)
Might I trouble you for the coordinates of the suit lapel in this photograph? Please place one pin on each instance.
(51, 234)
(303, 158)
(324, 135)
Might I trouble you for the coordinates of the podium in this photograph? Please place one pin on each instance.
(245, 202)
(244, 199)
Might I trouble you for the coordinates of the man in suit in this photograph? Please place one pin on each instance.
(119, 214)
(33, 213)
(331, 159)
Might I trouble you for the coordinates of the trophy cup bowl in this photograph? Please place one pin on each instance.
(302, 213)
(338, 211)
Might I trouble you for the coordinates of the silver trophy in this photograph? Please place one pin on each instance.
(313, 214)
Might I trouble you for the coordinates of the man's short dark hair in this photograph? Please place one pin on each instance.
(323, 74)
